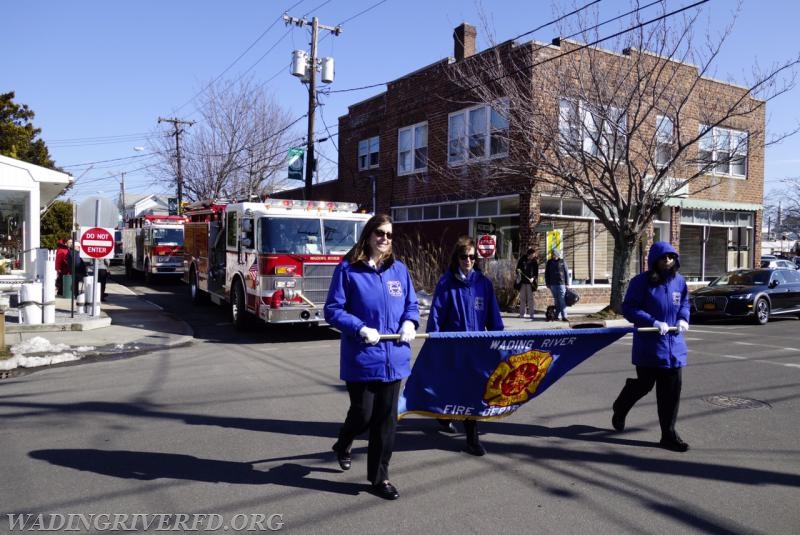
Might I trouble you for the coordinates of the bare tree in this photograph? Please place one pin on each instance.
(238, 147)
(623, 128)
(782, 209)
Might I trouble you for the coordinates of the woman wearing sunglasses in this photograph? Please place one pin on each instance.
(657, 298)
(371, 294)
(464, 300)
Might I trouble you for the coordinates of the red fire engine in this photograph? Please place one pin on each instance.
(272, 260)
(153, 245)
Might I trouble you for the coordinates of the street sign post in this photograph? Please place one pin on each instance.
(487, 245)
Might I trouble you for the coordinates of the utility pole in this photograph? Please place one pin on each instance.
(178, 131)
(311, 75)
(122, 197)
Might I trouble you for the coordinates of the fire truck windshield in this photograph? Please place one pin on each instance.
(167, 236)
(306, 236)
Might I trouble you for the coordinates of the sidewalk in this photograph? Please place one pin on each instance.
(128, 324)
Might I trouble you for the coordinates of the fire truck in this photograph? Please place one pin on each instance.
(153, 245)
(270, 260)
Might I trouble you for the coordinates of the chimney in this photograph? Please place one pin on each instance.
(464, 41)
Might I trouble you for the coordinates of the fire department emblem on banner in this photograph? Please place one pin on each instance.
(517, 378)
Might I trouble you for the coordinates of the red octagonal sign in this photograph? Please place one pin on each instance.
(487, 244)
(97, 242)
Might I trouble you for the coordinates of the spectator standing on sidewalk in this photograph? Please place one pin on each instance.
(371, 294)
(658, 298)
(464, 300)
(556, 278)
(61, 255)
(528, 275)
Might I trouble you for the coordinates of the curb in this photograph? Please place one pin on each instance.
(81, 325)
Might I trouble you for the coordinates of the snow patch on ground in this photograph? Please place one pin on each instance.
(28, 354)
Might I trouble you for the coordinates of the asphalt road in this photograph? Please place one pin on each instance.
(243, 425)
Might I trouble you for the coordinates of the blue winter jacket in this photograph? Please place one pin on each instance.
(464, 305)
(664, 300)
(382, 299)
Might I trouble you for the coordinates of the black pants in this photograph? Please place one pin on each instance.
(668, 384)
(373, 406)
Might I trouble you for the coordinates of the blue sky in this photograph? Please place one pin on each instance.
(98, 74)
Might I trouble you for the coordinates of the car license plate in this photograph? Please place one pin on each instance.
(709, 306)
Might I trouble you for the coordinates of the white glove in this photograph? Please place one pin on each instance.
(370, 336)
(662, 327)
(407, 332)
(683, 326)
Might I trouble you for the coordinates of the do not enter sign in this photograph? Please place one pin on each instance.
(97, 242)
(487, 245)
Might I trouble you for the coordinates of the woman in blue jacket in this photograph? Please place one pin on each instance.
(464, 300)
(371, 294)
(657, 298)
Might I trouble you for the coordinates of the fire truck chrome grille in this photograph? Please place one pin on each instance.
(316, 280)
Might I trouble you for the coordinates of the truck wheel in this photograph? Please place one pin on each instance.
(238, 307)
(194, 288)
(128, 268)
(148, 277)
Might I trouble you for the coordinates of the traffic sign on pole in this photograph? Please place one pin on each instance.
(487, 245)
(97, 242)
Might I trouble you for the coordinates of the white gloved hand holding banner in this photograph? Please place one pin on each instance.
(662, 327)
(370, 335)
(407, 332)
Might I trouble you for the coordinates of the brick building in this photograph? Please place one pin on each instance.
(429, 153)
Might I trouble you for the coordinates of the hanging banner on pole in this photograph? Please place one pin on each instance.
(554, 242)
(296, 163)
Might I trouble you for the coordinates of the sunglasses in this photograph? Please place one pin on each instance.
(671, 256)
(467, 256)
(382, 234)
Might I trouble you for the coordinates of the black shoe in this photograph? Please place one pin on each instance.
(345, 462)
(446, 425)
(476, 449)
(674, 444)
(386, 490)
(618, 421)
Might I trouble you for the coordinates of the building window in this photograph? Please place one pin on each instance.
(601, 133)
(368, 151)
(478, 133)
(664, 140)
(412, 149)
(723, 151)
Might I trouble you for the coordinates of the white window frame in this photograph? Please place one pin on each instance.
(369, 153)
(478, 133)
(664, 141)
(719, 144)
(582, 128)
(412, 157)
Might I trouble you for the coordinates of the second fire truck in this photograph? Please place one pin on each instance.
(269, 260)
(153, 245)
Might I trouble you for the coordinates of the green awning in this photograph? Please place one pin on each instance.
(703, 204)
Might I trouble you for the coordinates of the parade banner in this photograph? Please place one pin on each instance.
(489, 375)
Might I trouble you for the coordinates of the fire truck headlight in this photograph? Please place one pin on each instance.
(279, 284)
(284, 270)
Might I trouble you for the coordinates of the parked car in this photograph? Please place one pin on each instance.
(756, 294)
(777, 263)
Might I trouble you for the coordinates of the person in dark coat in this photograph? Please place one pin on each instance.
(528, 275)
(73, 260)
(657, 298)
(464, 300)
(556, 277)
(371, 294)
